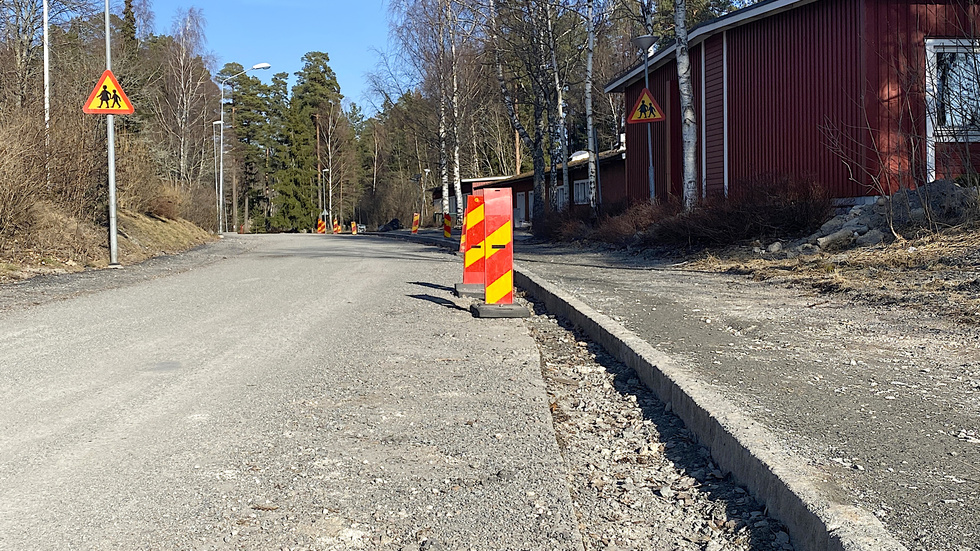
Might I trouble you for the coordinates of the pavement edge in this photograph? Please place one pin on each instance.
(793, 493)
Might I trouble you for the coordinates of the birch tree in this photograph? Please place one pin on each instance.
(689, 128)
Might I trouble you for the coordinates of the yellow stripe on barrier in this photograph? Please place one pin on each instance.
(500, 288)
(475, 216)
(502, 236)
(473, 254)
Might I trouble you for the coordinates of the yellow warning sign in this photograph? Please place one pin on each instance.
(108, 98)
(646, 109)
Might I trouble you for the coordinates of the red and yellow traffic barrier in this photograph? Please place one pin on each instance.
(447, 226)
(336, 227)
(416, 219)
(498, 257)
(353, 228)
(471, 245)
(321, 226)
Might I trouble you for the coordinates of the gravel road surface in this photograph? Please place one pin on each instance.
(883, 399)
(273, 392)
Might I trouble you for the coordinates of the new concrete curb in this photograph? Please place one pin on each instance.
(810, 506)
(796, 495)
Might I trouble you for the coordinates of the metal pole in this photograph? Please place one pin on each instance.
(111, 138)
(47, 97)
(215, 128)
(221, 171)
(646, 81)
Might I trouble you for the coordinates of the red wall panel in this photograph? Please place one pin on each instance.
(793, 83)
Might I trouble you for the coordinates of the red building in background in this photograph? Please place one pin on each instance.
(863, 96)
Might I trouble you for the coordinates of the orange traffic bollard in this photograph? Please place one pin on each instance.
(336, 227)
(416, 219)
(447, 226)
(472, 248)
(353, 228)
(498, 250)
(321, 226)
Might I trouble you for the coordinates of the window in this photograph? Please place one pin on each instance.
(561, 198)
(582, 193)
(952, 94)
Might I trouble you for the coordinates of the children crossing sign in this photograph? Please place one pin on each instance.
(646, 109)
(108, 98)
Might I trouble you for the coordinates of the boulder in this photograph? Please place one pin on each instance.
(838, 239)
(873, 237)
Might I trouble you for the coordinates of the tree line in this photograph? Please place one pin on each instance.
(470, 88)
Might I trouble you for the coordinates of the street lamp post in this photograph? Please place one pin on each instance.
(222, 223)
(644, 42)
(424, 183)
(326, 172)
(215, 130)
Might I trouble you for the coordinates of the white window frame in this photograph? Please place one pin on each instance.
(582, 192)
(935, 134)
(561, 198)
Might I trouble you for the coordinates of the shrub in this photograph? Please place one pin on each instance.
(766, 206)
(22, 176)
(621, 229)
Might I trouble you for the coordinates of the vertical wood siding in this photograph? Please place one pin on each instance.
(793, 82)
(896, 32)
(714, 113)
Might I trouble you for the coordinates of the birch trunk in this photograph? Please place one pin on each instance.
(689, 126)
(589, 123)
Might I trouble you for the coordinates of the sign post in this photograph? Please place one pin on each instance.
(108, 99)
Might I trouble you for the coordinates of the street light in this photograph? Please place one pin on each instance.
(330, 194)
(215, 129)
(222, 223)
(644, 42)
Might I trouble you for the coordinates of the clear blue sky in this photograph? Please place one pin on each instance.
(280, 32)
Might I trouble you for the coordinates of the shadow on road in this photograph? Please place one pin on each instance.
(440, 301)
(433, 286)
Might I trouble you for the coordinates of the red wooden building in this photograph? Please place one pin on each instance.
(612, 189)
(862, 96)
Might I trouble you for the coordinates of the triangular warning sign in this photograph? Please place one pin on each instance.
(108, 98)
(646, 109)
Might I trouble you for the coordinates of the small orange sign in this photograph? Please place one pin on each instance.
(646, 109)
(108, 98)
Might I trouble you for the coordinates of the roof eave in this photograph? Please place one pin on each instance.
(705, 30)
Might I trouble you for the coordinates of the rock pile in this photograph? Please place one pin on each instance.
(941, 202)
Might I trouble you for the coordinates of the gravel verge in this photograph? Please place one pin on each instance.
(638, 478)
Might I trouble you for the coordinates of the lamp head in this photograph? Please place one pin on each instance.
(258, 66)
(644, 42)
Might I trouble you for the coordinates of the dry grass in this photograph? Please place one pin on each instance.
(58, 243)
(937, 273)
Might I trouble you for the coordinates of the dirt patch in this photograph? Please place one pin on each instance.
(936, 273)
(58, 243)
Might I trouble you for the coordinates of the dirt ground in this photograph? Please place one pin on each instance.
(936, 273)
(58, 244)
(864, 362)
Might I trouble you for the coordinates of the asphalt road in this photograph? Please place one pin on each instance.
(273, 392)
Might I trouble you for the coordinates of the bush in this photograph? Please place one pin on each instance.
(764, 207)
(622, 229)
(22, 177)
